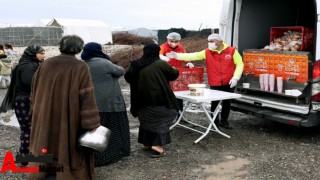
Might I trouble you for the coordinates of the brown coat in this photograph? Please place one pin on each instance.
(63, 107)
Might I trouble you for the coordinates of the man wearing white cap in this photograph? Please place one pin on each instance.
(173, 44)
(224, 68)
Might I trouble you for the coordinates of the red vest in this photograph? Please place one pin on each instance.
(220, 67)
(179, 49)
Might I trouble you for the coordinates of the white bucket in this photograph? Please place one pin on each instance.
(196, 89)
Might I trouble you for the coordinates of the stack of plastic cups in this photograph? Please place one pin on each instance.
(271, 82)
(266, 82)
(261, 78)
(279, 84)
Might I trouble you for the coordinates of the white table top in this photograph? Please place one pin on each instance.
(209, 95)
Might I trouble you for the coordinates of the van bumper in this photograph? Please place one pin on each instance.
(300, 120)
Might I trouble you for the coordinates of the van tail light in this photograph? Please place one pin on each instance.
(316, 79)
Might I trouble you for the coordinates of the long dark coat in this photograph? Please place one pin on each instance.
(63, 107)
(150, 86)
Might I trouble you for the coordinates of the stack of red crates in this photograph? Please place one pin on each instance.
(280, 63)
(187, 76)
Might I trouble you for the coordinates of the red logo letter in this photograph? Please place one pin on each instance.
(8, 163)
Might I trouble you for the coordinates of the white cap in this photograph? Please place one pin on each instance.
(214, 37)
(174, 36)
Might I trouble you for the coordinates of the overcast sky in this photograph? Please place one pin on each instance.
(162, 14)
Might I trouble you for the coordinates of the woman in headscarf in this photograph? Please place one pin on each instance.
(110, 102)
(152, 99)
(20, 90)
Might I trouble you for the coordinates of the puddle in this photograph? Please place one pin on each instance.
(231, 169)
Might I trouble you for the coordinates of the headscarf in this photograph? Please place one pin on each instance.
(150, 55)
(92, 50)
(29, 54)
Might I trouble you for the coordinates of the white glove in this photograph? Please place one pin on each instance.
(172, 55)
(233, 82)
(165, 58)
(190, 65)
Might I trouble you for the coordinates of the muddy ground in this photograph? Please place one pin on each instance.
(257, 149)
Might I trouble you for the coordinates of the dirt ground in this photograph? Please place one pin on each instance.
(257, 149)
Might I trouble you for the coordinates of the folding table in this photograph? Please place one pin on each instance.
(209, 95)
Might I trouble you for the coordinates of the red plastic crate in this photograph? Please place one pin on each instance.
(187, 76)
(307, 35)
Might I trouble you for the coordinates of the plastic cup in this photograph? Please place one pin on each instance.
(261, 78)
(266, 82)
(271, 82)
(279, 84)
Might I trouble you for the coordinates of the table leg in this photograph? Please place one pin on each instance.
(211, 121)
(204, 134)
(181, 115)
(215, 113)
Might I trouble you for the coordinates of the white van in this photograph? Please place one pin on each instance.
(252, 26)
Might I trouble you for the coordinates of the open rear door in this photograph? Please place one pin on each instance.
(229, 21)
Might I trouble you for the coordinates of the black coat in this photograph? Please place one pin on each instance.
(24, 74)
(150, 86)
(20, 85)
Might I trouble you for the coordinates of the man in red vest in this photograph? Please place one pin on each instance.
(173, 45)
(224, 68)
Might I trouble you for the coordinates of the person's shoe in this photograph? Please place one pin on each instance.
(156, 154)
(225, 125)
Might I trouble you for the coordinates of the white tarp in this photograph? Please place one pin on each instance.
(89, 30)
